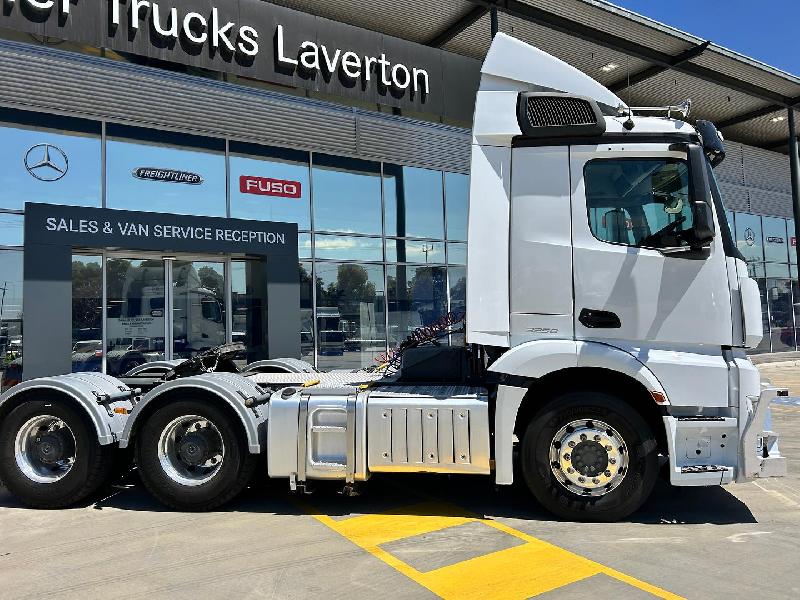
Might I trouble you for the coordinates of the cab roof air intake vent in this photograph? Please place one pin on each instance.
(553, 114)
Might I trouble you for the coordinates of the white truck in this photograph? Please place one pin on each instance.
(608, 313)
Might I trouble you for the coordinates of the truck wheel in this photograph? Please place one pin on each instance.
(192, 456)
(49, 454)
(588, 456)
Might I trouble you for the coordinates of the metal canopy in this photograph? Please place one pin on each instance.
(645, 61)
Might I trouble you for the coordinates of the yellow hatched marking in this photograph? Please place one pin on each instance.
(519, 572)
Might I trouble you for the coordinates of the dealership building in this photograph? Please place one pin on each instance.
(168, 164)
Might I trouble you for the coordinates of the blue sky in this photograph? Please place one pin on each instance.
(767, 30)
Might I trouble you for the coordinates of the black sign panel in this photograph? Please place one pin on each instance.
(105, 228)
(262, 41)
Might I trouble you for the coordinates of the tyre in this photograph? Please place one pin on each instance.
(588, 456)
(49, 454)
(192, 455)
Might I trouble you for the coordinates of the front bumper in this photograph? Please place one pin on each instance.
(758, 448)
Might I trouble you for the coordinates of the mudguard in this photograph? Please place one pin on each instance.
(86, 389)
(280, 365)
(230, 388)
(539, 358)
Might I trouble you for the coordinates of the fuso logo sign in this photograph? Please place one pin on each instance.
(266, 186)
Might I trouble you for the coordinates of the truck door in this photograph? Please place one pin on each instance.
(637, 284)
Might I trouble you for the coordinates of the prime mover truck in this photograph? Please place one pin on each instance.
(608, 313)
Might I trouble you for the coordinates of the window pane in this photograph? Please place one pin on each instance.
(11, 229)
(458, 299)
(249, 306)
(796, 302)
(270, 184)
(748, 237)
(304, 245)
(639, 202)
(347, 195)
(792, 241)
(413, 199)
(10, 318)
(350, 315)
(417, 296)
(456, 203)
(48, 159)
(781, 329)
(344, 247)
(164, 172)
(198, 307)
(306, 312)
(457, 254)
(414, 251)
(135, 313)
(87, 313)
(776, 244)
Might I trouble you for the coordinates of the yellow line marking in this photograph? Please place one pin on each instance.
(523, 571)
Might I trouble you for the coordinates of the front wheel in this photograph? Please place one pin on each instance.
(588, 456)
(192, 456)
(49, 454)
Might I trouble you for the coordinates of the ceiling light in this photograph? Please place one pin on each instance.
(609, 67)
(777, 119)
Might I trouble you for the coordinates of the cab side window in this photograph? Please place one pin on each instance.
(642, 202)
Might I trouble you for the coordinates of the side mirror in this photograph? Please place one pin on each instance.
(702, 222)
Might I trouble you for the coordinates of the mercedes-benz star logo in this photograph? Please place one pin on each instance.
(46, 162)
(750, 237)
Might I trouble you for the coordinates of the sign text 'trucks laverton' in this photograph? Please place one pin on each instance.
(262, 41)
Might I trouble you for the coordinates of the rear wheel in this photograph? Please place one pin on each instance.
(192, 456)
(588, 456)
(49, 454)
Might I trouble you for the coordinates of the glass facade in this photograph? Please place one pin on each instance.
(381, 246)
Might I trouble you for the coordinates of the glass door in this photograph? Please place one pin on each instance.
(197, 301)
(135, 313)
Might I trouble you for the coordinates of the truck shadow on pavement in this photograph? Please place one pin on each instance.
(431, 495)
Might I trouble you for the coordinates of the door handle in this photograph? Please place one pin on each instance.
(599, 319)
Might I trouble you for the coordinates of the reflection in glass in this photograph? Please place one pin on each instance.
(10, 318)
(307, 312)
(413, 202)
(776, 243)
(270, 184)
(249, 297)
(350, 315)
(87, 313)
(456, 191)
(796, 306)
(135, 314)
(48, 159)
(414, 251)
(779, 295)
(343, 247)
(304, 245)
(130, 149)
(417, 296)
(347, 195)
(11, 229)
(458, 298)
(456, 253)
(198, 307)
(790, 233)
(748, 237)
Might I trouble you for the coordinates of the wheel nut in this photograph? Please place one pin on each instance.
(595, 481)
(609, 448)
(613, 461)
(567, 456)
(583, 437)
(607, 473)
(597, 438)
(571, 444)
(582, 479)
(570, 470)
